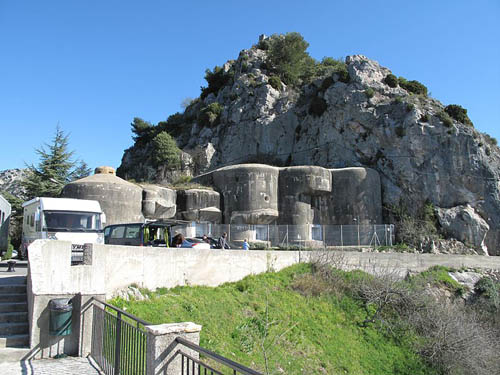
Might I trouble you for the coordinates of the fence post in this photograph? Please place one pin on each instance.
(341, 238)
(287, 246)
(118, 341)
(162, 347)
(324, 236)
(359, 245)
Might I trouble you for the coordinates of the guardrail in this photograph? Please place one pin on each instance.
(118, 345)
(190, 365)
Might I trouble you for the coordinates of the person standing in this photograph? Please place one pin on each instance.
(245, 245)
(222, 243)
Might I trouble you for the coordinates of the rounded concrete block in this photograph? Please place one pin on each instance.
(158, 202)
(120, 200)
(199, 205)
(249, 193)
(356, 197)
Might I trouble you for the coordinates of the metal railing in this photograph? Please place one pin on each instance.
(118, 340)
(193, 366)
(296, 236)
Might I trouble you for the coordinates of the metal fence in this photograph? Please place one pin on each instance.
(193, 366)
(295, 236)
(118, 344)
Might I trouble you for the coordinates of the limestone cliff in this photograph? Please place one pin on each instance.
(334, 121)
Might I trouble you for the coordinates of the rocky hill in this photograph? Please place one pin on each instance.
(334, 114)
(10, 181)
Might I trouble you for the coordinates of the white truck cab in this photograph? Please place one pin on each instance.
(77, 220)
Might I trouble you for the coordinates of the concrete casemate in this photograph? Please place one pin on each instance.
(120, 200)
(244, 194)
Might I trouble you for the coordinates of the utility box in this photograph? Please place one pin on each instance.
(61, 310)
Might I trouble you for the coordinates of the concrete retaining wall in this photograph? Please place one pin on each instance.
(112, 268)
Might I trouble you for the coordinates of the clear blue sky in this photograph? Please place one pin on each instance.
(92, 66)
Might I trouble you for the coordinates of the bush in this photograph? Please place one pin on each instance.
(400, 131)
(490, 289)
(210, 115)
(216, 79)
(8, 253)
(327, 82)
(369, 92)
(343, 75)
(445, 118)
(391, 80)
(288, 57)
(398, 100)
(275, 83)
(491, 140)
(410, 107)
(424, 118)
(458, 113)
(165, 151)
(318, 106)
(414, 87)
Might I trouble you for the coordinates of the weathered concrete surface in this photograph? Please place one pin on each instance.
(120, 200)
(249, 193)
(62, 366)
(158, 202)
(51, 275)
(355, 195)
(260, 194)
(115, 267)
(199, 205)
(162, 347)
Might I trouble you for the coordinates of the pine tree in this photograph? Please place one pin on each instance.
(55, 168)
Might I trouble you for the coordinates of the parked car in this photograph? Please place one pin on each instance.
(154, 233)
(195, 243)
(214, 243)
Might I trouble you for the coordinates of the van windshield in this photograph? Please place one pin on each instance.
(70, 221)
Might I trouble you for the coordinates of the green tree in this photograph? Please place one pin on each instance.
(166, 151)
(55, 168)
(289, 58)
(142, 129)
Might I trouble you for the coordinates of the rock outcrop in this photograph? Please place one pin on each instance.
(334, 122)
(10, 181)
(464, 223)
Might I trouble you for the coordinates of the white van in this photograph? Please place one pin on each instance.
(77, 220)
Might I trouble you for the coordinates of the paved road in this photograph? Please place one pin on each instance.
(17, 277)
(63, 366)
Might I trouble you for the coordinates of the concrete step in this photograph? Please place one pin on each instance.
(14, 288)
(13, 297)
(14, 328)
(14, 341)
(13, 317)
(13, 306)
(13, 355)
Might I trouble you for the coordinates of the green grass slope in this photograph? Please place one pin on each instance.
(264, 323)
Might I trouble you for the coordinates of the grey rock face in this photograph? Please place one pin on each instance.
(10, 181)
(395, 133)
(463, 223)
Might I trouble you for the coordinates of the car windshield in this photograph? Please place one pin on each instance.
(68, 221)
